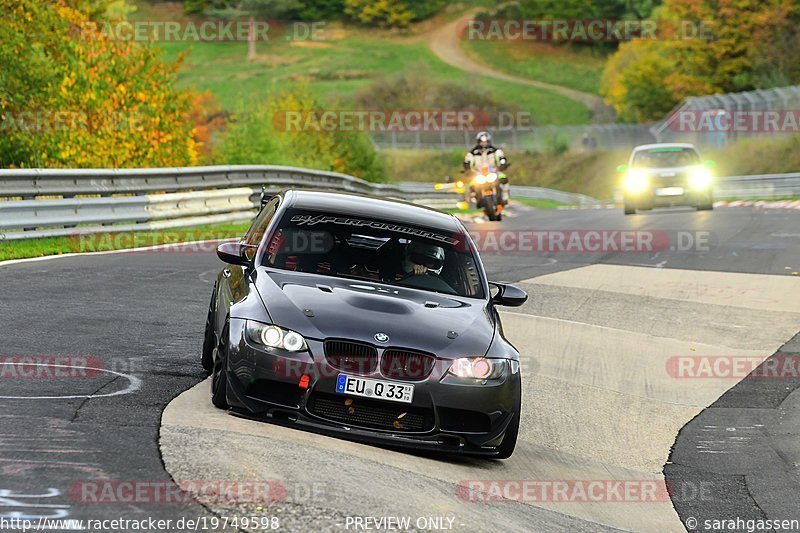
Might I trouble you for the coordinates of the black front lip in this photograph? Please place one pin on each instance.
(480, 443)
(435, 442)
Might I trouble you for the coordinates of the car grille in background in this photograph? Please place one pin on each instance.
(406, 365)
(351, 357)
(678, 180)
(371, 414)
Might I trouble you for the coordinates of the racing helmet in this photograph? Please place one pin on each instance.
(428, 255)
(483, 139)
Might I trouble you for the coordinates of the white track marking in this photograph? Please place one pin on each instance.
(134, 384)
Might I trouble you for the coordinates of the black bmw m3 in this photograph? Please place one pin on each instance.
(367, 319)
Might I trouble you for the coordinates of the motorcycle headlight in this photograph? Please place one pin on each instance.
(491, 178)
(478, 368)
(272, 336)
(480, 180)
(635, 181)
(700, 178)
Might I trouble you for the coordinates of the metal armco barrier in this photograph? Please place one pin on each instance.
(759, 187)
(52, 201)
(30, 183)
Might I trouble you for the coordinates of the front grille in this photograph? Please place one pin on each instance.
(352, 357)
(370, 413)
(406, 365)
(678, 180)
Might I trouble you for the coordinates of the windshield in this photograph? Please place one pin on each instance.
(374, 250)
(666, 158)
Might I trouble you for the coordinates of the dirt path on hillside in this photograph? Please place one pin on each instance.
(444, 42)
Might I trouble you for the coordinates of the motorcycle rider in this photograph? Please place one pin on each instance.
(482, 154)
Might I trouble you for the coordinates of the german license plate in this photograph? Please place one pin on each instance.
(669, 191)
(373, 388)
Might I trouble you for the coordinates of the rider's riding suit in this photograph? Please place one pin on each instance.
(484, 154)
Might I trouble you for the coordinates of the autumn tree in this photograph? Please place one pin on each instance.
(733, 45)
(71, 96)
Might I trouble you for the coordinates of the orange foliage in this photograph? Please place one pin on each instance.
(78, 98)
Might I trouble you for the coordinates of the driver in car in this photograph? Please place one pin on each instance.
(420, 259)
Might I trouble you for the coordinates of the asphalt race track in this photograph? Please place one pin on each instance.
(599, 335)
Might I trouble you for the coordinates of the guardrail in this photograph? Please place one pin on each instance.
(759, 187)
(31, 183)
(53, 202)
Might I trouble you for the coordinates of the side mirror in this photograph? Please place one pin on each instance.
(509, 295)
(622, 168)
(710, 164)
(232, 253)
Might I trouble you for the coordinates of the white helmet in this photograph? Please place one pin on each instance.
(483, 139)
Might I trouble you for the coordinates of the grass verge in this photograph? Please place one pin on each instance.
(538, 204)
(567, 66)
(102, 242)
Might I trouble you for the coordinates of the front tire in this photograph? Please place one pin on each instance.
(490, 208)
(219, 376)
(209, 338)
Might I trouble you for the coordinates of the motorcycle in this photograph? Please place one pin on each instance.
(483, 189)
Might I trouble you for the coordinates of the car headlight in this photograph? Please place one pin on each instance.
(273, 336)
(478, 368)
(700, 178)
(635, 181)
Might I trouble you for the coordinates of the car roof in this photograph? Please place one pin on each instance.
(370, 207)
(663, 145)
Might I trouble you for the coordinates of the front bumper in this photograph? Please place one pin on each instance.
(650, 198)
(446, 413)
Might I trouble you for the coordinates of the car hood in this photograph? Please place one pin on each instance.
(320, 307)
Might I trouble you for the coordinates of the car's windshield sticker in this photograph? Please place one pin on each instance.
(313, 220)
